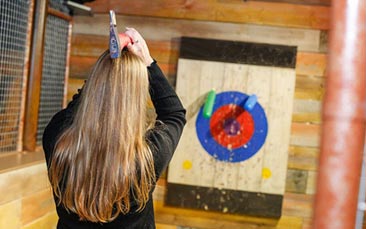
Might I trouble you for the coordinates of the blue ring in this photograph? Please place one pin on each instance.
(243, 152)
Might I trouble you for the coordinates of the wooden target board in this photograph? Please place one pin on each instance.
(236, 160)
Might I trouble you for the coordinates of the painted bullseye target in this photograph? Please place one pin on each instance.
(231, 126)
(232, 133)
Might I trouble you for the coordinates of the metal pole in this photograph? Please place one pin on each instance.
(343, 129)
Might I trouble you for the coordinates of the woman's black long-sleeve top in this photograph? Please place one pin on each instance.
(163, 140)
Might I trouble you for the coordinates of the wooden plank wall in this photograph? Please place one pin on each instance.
(164, 22)
(26, 200)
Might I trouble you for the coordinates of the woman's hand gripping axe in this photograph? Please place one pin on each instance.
(116, 41)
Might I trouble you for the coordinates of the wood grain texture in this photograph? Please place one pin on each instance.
(298, 205)
(10, 215)
(306, 111)
(312, 118)
(311, 182)
(323, 42)
(166, 52)
(296, 181)
(35, 75)
(306, 106)
(214, 220)
(81, 67)
(280, 14)
(172, 29)
(47, 221)
(304, 158)
(25, 74)
(168, 215)
(195, 79)
(311, 64)
(190, 88)
(279, 122)
(258, 82)
(163, 37)
(309, 87)
(311, 94)
(308, 223)
(67, 63)
(25, 181)
(87, 46)
(14, 161)
(224, 200)
(91, 45)
(305, 134)
(188, 217)
(265, 82)
(165, 226)
(37, 205)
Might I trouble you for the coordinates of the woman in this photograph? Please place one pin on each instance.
(103, 159)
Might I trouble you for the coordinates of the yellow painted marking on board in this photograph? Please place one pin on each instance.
(187, 165)
(266, 173)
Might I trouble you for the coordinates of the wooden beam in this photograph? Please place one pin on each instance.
(25, 76)
(58, 14)
(35, 77)
(264, 13)
(67, 63)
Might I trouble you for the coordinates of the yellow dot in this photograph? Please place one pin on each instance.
(187, 164)
(266, 173)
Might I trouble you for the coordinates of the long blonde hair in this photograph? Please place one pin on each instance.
(102, 162)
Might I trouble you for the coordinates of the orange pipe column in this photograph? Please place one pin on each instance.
(343, 129)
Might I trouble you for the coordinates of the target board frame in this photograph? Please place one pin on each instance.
(240, 180)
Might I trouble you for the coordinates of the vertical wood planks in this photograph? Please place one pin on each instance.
(258, 83)
(279, 114)
(198, 177)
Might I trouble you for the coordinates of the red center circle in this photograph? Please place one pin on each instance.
(231, 126)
